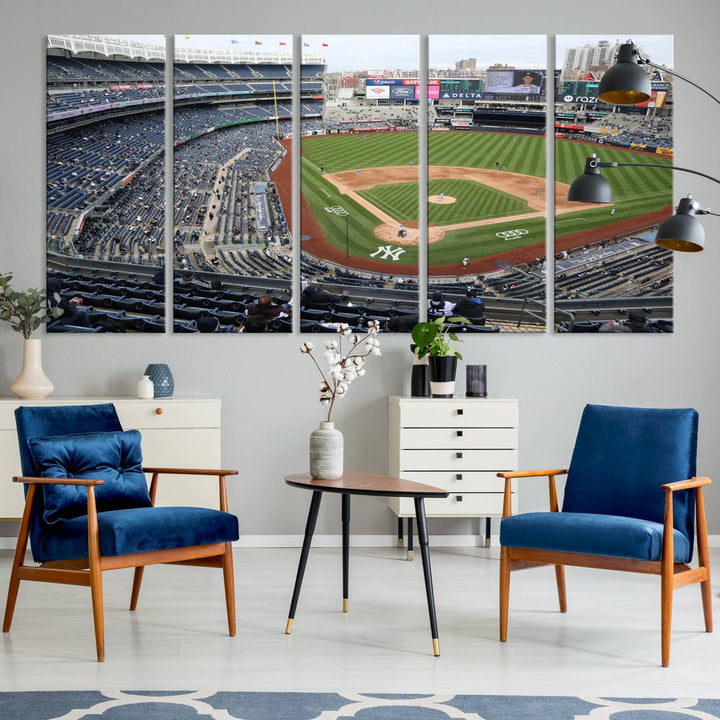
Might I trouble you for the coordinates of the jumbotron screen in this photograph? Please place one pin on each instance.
(521, 84)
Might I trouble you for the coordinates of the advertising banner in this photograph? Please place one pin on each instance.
(377, 92)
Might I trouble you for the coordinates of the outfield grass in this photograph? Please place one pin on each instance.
(636, 191)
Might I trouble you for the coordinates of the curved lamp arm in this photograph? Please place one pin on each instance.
(661, 167)
(645, 61)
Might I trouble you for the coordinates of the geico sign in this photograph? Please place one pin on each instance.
(507, 234)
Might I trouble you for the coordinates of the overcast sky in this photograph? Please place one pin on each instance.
(345, 53)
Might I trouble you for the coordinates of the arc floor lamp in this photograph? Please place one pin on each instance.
(626, 83)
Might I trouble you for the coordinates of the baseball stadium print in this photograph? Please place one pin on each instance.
(370, 217)
(105, 246)
(360, 184)
(609, 274)
(486, 179)
(232, 116)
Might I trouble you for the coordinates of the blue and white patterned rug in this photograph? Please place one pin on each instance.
(189, 705)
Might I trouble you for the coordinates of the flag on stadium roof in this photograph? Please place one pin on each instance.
(325, 45)
(257, 42)
(282, 43)
(306, 44)
(187, 37)
(233, 42)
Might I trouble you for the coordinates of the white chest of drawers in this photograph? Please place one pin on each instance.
(176, 432)
(458, 444)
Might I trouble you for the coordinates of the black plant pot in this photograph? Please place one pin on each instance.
(442, 375)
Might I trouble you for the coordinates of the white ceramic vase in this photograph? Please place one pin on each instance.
(145, 388)
(326, 452)
(32, 383)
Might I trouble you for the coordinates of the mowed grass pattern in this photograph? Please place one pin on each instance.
(636, 191)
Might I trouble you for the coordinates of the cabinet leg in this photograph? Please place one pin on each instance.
(400, 532)
(410, 552)
(487, 532)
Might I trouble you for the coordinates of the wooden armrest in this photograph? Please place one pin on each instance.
(686, 484)
(57, 481)
(188, 471)
(531, 473)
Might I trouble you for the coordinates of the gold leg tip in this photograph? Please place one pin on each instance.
(401, 542)
(346, 605)
(288, 627)
(410, 555)
(436, 647)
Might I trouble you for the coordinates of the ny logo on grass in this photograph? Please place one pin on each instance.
(388, 252)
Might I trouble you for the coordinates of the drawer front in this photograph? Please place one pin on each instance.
(457, 460)
(455, 505)
(459, 482)
(459, 413)
(168, 413)
(459, 437)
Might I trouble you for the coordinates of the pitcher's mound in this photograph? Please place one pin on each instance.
(442, 199)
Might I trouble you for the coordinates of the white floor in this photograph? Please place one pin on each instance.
(607, 644)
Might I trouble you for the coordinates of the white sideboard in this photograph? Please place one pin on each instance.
(458, 444)
(176, 432)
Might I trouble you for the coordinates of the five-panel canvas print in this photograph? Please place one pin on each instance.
(409, 178)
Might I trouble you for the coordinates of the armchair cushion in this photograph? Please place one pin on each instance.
(142, 529)
(114, 457)
(592, 534)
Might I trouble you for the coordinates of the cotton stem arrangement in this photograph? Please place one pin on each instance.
(346, 357)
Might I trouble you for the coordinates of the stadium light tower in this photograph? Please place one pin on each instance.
(681, 232)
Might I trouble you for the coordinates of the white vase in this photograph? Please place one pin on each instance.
(32, 383)
(326, 452)
(145, 388)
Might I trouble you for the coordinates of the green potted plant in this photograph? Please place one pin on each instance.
(26, 311)
(436, 340)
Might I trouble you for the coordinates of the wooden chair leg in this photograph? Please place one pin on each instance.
(137, 581)
(229, 578)
(504, 592)
(704, 559)
(96, 587)
(18, 560)
(560, 580)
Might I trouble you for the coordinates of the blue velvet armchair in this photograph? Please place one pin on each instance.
(632, 502)
(88, 509)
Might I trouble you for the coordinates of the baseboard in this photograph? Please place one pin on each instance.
(333, 541)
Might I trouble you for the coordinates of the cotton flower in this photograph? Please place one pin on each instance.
(344, 364)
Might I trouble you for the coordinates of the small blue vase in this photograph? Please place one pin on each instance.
(162, 379)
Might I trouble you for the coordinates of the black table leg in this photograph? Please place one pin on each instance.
(400, 532)
(410, 551)
(425, 553)
(309, 530)
(346, 548)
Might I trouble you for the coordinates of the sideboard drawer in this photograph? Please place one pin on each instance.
(454, 505)
(162, 413)
(458, 413)
(458, 482)
(459, 437)
(457, 460)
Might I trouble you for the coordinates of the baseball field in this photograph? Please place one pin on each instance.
(486, 193)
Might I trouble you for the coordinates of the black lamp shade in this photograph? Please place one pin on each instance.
(683, 231)
(625, 83)
(590, 187)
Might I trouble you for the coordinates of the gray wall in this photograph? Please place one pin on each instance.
(267, 387)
